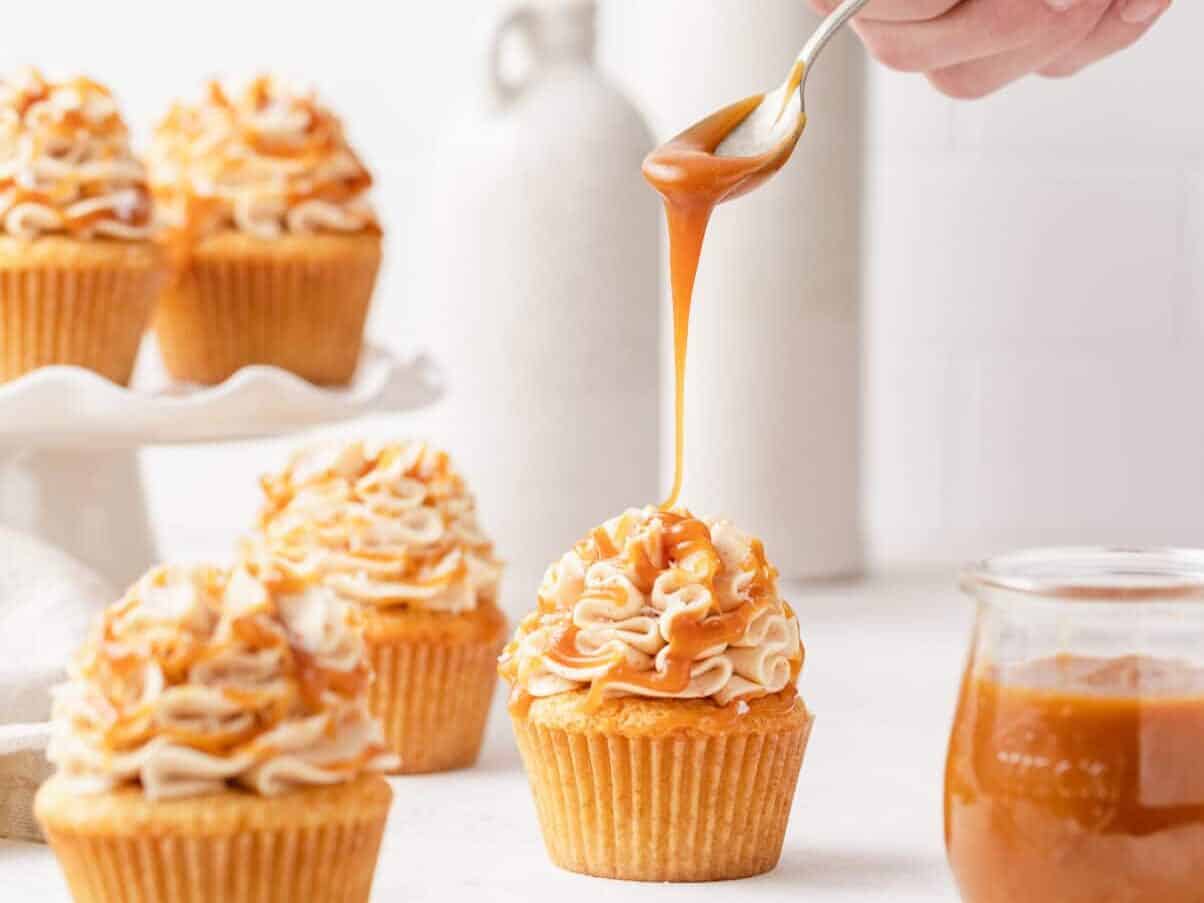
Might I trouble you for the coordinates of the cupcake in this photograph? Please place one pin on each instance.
(393, 530)
(79, 272)
(276, 245)
(213, 743)
(654, 702)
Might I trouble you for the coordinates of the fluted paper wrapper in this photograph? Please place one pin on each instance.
(673, 808)
(291, 308)
(319, 845)
(86, 316)
(433, 699)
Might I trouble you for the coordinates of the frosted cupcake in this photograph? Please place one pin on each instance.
(79, 273)
(277, 243)
(654, 702)
(393, 530)
(214, 743)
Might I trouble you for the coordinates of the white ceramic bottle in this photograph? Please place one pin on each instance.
(541, 300)
(773, 382)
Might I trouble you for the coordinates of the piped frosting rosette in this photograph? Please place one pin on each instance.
(267, 159)
(198, 679)
(658, 604)
(387, 526)
(66, 167)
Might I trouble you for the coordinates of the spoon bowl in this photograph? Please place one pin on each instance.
(774, 126)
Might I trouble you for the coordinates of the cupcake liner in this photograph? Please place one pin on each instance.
(433, 699)
(285, 307)
(89, 317)
(680, 807)
(266, 851)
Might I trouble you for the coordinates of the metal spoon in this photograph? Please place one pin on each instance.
(771, 124)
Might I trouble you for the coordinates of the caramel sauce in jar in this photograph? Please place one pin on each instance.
(1074, 771)
(1079, 781)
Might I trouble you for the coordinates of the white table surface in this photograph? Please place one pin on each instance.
(883, 662)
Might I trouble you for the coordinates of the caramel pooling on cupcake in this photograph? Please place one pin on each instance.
(658, 604)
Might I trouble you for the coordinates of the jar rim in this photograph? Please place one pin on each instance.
(1091, 574)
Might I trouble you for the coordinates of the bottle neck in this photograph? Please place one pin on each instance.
(566, 31)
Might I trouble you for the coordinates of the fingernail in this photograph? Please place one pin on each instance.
(1138, 12)
(1060, 6)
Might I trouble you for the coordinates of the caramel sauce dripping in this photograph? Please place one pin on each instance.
(693, 180)
(644, 570)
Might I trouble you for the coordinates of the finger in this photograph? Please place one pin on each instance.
(1127, 21)
(978, 78)
(893, 10)
(972, 30)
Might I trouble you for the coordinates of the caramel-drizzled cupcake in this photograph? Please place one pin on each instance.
(214, 743)
(276, 243)
(654, 702)
(393, 530)
(79, 272)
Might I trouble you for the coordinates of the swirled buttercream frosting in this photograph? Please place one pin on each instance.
(660, 604)
(387, 526)
(199, 679)
(66, 167)
(267, 159)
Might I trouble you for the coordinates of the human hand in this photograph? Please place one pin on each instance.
(971, 48)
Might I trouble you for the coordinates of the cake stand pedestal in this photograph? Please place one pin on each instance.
(69, 440)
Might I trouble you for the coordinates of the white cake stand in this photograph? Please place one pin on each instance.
(69, 440)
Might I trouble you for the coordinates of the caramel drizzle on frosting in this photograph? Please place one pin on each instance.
(200, 661)
(117, 675)
(673, 555)
(66, 166)
(266, 160)
(386, 526)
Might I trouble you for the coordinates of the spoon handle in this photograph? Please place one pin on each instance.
(827, 28)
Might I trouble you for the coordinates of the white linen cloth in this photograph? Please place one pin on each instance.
(47, 600)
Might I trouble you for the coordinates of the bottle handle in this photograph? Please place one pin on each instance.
(517, 23)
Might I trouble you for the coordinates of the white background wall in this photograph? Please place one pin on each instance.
(1034, 307)
(1034, 288)
(1035, 264)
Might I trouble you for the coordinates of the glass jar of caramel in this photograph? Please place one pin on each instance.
(1076, 763)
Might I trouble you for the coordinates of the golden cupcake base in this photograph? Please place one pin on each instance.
(435, 674)
(663, 790)
(298, 302)
(67, 301)
(318, 844)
